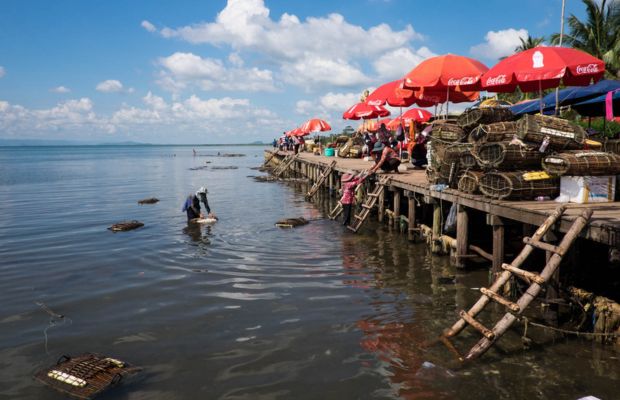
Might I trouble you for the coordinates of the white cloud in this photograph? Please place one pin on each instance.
(396, 63)
(181, 70)
(499, 43)
(60, 89)
(301, 48)
(110, 86)
(338, 102)
(148, 26)
(329, 106)
(2, 71)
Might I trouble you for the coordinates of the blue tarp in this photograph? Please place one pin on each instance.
(568, 96)
(596, 107)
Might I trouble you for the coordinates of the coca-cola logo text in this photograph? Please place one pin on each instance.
(587, 69)
(468, 80)
(496, 80)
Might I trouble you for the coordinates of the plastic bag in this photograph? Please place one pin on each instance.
(450, 225)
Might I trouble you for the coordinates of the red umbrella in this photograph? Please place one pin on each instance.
(429, 97)
(446, 71)
(296, 132)
(373, 126)
(543, 68)
(365, 111)
(315, 125)
(387, 94)
(414, 114)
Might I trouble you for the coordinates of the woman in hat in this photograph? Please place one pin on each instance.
(349, 184)
(385, 158)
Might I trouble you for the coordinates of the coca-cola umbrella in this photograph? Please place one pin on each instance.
(365, 111)
(413, 114)
(296, 132)
(315, 125)
(387, 94)
(543, 68)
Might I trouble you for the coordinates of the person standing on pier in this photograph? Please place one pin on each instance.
(386, 158)
(349, 185)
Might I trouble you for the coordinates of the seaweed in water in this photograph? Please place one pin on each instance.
(126, 226)
(151, 200)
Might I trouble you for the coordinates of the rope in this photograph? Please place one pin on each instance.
(527, 322)
(54, 320)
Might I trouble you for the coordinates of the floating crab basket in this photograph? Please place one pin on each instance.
(487, 115)
(562, 134)
(469, 182)
(507, 157)
(513, 186)
(582, 162)
(126, 226)
(495, 132)
(612, 146)
(85, 376)
(448, 132)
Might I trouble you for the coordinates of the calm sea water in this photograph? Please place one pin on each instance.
(240, 309)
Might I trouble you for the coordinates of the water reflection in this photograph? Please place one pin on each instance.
(199, 235)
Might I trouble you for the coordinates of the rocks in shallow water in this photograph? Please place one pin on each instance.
(266, 178)
(150, 200)
(198, 168)
(233, 155)
(225, 167)
(291, 222)
(126, 226)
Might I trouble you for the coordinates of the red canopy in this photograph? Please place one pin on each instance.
(365, 111)
(315, 125)
(386, 93)
(373, 126)
(431, 97)
(414, 114)
(296, 132)
(543, 68)
(446, 71)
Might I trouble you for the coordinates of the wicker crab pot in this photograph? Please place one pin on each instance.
(514, 186)
(469, 182)
(562, 134)
(448, 132)
(476, 116)
(495, 132)
(581, 163)
(507, 157)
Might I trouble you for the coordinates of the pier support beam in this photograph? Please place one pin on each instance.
(381, 205)
(497, 225)
(435, 243)
(396, 204)
(462, 236)
(331, 183)
(411, 228)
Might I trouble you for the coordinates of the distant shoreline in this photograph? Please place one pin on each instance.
(127, 145)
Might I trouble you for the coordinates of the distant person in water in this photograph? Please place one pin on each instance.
(192, 205)
(194, 150)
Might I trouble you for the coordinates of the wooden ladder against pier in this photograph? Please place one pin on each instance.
(336, 211)
(319, 182)
(284, 165)
(268, 160)
(369, 202)
(535, 280)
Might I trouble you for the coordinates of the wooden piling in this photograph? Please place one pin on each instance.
(497, 225)
(462, 236)
(435, 242)
(381, 205)
(411, 216)
(396, 204)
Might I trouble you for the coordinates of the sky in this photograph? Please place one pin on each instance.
(236, 71)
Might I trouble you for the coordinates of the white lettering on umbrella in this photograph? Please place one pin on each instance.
(587, 69)
(538, 59)
(496, 80)
(467, 80)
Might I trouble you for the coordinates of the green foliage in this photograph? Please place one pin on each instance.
(598, 35)
(609, 129)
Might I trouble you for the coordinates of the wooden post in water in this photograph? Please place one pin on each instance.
(411, 216)
(435, 244)
(498, 244)
(396, 202)
(381, 205)
(462, 236)
(331, 183)
(550, 312)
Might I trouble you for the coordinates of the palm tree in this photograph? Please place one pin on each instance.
(598, 35)
(529, 43)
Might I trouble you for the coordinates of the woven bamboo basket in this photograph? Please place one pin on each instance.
(612, 146)
(456, 157)
(487, 115)
(507, 157)
(469, 182)
(582, 162)
(512, 186)
(448, 132)
(562, 134)
(495, 132)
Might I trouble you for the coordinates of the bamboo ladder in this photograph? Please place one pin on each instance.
(268, 160)
(368, 204)
(535, 280)
(283, 166)
(319, 182)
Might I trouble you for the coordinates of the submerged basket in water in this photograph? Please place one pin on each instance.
(562, 134)
(469, 182)
(507, 157)
(495, 132)
(513, 186)
(486, 115)
(582, 162)
(447, 131)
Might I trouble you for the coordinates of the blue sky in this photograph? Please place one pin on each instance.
(227, 72)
